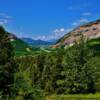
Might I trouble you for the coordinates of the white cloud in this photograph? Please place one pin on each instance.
(56, 34)
(62, 29)
(83, 20)
(79, 22)
(40, 37)
(59, 30)
(4, 18)
(87, 14)
(4, 21)
(74, 23)
(56, 30)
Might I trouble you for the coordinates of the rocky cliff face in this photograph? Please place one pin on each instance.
(89, 30)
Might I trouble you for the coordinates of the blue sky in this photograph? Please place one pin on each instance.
(46, 19)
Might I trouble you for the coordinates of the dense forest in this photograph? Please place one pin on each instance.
(71, 70)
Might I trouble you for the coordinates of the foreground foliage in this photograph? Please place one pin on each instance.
(7, 64)
(74, 70)
(14, 84)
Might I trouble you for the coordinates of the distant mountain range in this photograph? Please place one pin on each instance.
(26, 46)
(37, 42)
(90, 30)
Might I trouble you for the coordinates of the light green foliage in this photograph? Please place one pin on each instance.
(64, 70)
(78, 76)
(24, 89)
(21, 48)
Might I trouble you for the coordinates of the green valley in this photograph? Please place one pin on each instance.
(57, 72)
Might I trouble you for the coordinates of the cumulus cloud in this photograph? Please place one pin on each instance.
(59, 30)
(56, 34)
(62, 29)
(4, 18)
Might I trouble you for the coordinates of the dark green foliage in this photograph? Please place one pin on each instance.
(64, 70)
(21, 48)
(94, 64)
(7, 63)
(78, 76)
(23, 88)
(94, 44)
(27, 80)
(15, 82)
(73, 70)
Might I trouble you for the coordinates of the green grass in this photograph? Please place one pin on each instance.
(75, 97)
(94, 41)
(94, 44)
(21, 48)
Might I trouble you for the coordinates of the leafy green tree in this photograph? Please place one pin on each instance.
(7, 63)
(47, 73)
(59, 78)
(94, 64)
(27, 86)
(24, 89)
(78, 76)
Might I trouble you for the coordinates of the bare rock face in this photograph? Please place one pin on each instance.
(89, 30)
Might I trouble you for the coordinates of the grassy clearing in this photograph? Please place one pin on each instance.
(75, 97)
(94, 41)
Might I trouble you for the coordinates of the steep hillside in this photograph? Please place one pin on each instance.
(90, 30)
(21, 47)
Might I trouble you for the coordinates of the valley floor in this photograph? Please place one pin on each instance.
(75, 97)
